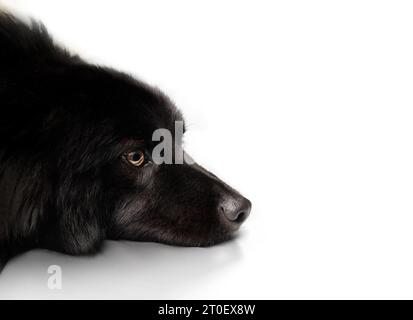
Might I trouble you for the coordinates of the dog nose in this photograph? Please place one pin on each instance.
(236, 210)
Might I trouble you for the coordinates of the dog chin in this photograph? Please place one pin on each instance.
(184, 241)
(210, 241)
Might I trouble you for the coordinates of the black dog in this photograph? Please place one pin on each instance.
(75, 157)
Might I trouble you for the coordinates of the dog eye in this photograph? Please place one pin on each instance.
(136, 158)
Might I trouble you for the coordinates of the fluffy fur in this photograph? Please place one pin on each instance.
(64, 183)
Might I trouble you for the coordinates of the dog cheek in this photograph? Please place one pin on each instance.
(127, 217)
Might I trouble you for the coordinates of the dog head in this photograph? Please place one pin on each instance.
(175, 203)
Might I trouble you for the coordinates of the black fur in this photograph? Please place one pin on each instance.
(64, 185)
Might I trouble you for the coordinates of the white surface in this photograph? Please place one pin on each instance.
(304, 106)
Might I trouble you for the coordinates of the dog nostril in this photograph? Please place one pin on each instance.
(236, 211)
(242, 216)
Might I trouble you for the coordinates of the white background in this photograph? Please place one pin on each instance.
(305, 106)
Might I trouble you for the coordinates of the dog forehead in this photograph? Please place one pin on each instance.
(143, 119)
(133, 107)
(152, 111)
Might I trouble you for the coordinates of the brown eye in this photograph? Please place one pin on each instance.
(136, 158)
